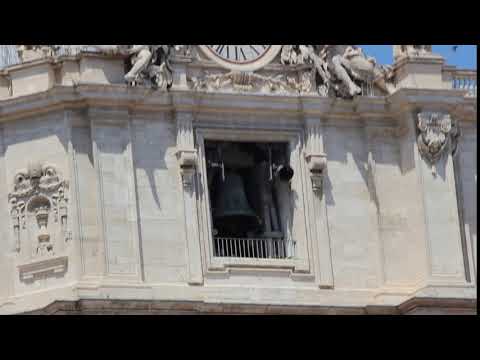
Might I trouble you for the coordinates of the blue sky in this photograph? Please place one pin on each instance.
(464, 58)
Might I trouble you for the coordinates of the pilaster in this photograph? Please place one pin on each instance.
(317, 168)
(188, 162)
(426, 151)
(376, 241)
(436, 172)
(117, 202)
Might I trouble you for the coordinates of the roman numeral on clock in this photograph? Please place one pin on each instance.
(239, 53)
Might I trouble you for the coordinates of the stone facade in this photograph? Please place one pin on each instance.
(105, 208)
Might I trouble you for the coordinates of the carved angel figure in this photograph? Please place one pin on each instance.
(159, 72)
(366, 69)
(150, 63)
(340, 69)
(141, 55)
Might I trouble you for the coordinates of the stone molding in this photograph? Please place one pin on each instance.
(134, 307)
(84, 96)
(30, 271)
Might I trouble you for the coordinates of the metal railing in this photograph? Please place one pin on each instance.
(263, 248)
(464, 80)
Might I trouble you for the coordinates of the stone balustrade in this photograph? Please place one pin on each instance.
(463, 80)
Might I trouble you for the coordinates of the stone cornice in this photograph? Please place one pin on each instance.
(452, 101)
(57, 60)
(144, 99)
(424, 59)
(132, 307)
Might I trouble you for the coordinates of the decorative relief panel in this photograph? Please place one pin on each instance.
(437, 134)
(39, 212)
(300, 82)
(329, 70)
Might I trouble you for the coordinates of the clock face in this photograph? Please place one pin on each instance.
(241, 57)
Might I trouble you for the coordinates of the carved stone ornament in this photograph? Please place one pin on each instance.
(438, 133)
(253, 82)
(341, 70)
(30, 271)
(331, 70)
(317, 165)
(150, 63)
(186, 152)
(188, 164)
(39, 209)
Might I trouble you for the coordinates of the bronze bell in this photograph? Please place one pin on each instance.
(233, 215)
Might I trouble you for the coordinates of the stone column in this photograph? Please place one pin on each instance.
(188, 162)
(317, 167)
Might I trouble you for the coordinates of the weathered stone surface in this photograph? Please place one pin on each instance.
(379, 234)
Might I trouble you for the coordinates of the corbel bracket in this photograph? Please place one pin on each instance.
(317, 165)
(188, 160)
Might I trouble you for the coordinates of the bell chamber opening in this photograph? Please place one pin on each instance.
(250, 198)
